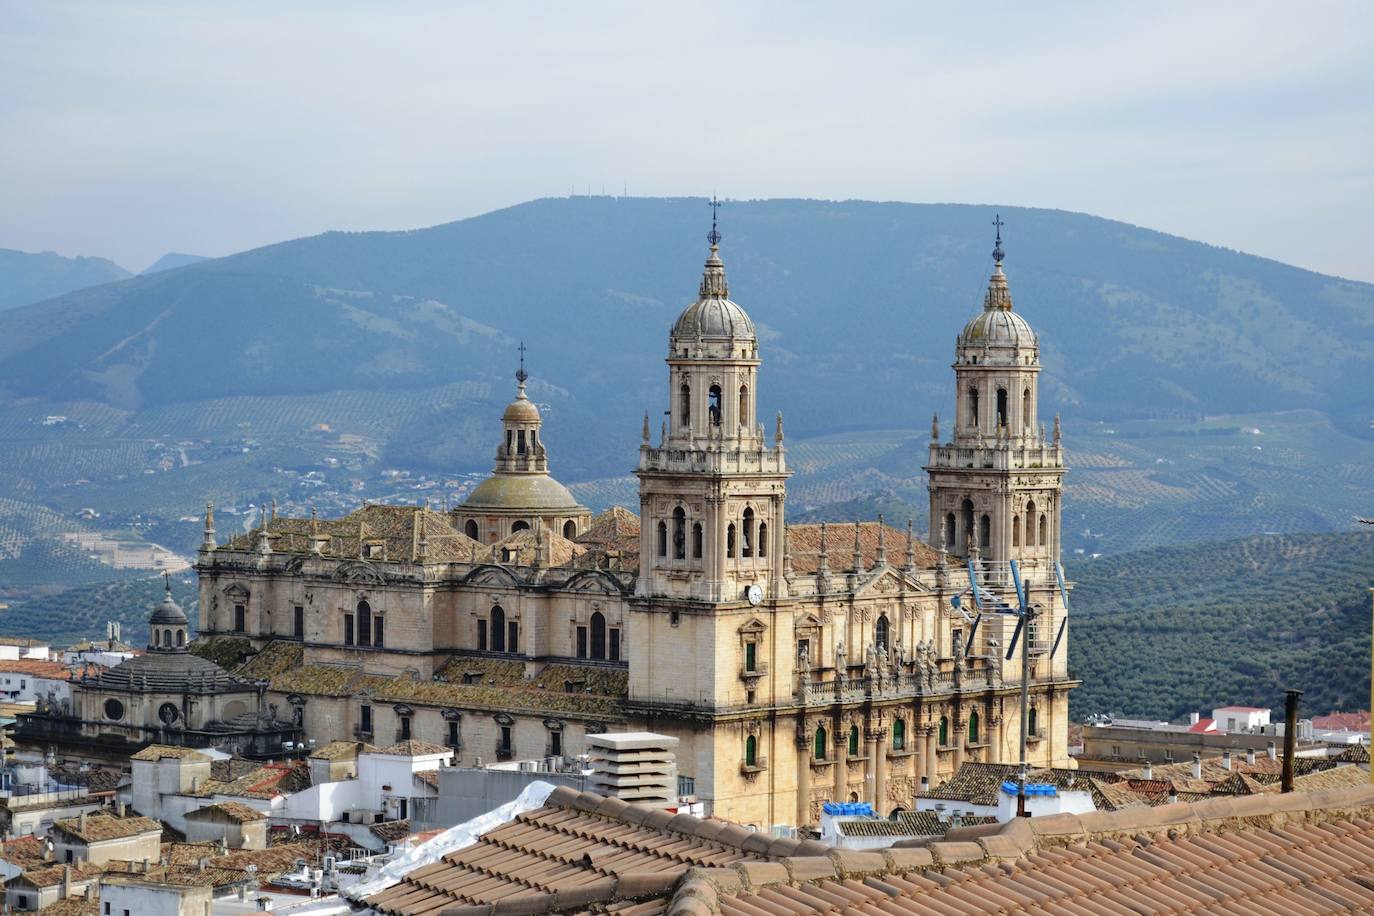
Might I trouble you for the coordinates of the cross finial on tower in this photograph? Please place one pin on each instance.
(167, 581)
(714, 236)
(997, 253)
(521, 374)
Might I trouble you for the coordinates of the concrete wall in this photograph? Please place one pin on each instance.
(120, 897)
(464, 793)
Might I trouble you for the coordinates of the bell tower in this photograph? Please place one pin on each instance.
(712, 492)
(995, 487)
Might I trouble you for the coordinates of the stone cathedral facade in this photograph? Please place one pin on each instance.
(795, 663)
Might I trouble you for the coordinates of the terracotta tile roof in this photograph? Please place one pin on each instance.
(75, 905)
(341, 750)
(215, 875)
(282, 664)
(23, 642)
(981, 783)
(1300, 853)
(266, 781)
(22, 851)
(160, 751)
(1344, 777)
(270, 862)
(1356, 753)
(906, 824)
(413, 748)
(577, 849)
(521, 545)
(805, 543)
(35, 667)
(391, 831)
(397, 529)
(51, 875)
(237, 812)
(107, 827)
(1343, 721)
(612, 541)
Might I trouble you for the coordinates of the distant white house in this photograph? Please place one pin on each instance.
(13, 648)
(1240, 719)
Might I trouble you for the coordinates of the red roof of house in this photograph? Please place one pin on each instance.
(1343, 721)
(1204, 725)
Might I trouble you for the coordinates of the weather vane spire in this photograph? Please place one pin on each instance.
(997, 253)
(714, 236)
(521, 374)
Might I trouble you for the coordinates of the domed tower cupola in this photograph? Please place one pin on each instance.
(521, 450)
(167, 628)
(995, 488)
(713, 359)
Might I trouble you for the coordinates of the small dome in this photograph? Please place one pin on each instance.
(535, 491)
(713, 316)
(168, 612)
(999, 328)
(521, 410)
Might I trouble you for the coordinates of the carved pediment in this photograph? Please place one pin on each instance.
(489, 574)
(593, 580)
(754, 626)
(359, 571)
(236, 592)
(294, 565)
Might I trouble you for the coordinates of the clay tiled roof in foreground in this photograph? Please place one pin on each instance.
(99, 827)
(1295, 853)
(579, 849)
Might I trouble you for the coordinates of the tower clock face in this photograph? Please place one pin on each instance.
(754, 594)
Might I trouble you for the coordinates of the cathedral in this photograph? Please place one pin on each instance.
(795, 663)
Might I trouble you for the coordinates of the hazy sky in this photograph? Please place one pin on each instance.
(131, 129)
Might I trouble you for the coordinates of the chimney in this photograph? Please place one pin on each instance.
(1197, 766)
(1192, 718)
(1173, 795)
(1250, 756)
(119, 809)
(1226, 760)
(81, 822)
(1290, 736)
(925, 785)
(202, 862)
(1271, 751)
(1149, 770)
(66, 881)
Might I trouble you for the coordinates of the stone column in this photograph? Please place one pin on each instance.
(804, 752)
(877, 754)
(960, 735)
(932, 754)
(918, 735)
(996, 753)
(841, 763)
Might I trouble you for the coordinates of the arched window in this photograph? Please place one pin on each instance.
(1026, 419)
(181, 638)
(984, 531)
(743, 405)
(950, 543)
(1044, 530)
(1016, 531)
(747, 545)
(685, 405)
(521, 525)
(1030, 523)
(167, 637)
(973, 406)
(570, 529)
(1001, 408)
(714, 405)
(944, 731)
(730, 541)
(679, 533)
(364, 623)
(157, 638)
(973, 727)
(662, 548)
(1032, 726)
(853, 741)
(967, 509)
(763, 539)
(498, 629)
(819, 749)
(751, 751)
(520, 442)
(598, 635)
(470, 529)
(510, 441)
(898, 735)
(696, 541)
(880, 633)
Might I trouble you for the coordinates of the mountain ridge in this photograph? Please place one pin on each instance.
(34, 277)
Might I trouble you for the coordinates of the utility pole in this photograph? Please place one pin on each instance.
(1027, 614)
